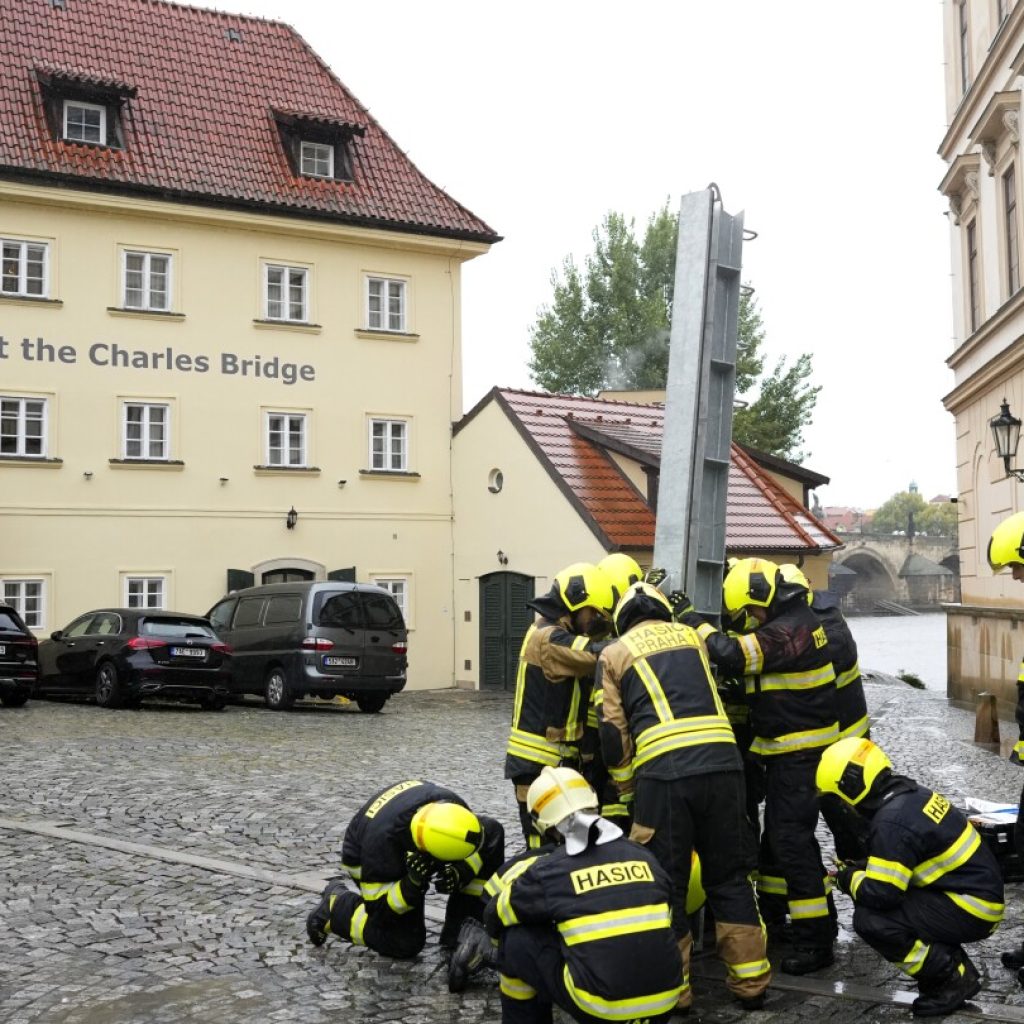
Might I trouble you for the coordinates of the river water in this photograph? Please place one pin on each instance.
(895, 643)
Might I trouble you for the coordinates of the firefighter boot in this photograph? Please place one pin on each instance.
(1014, 958)
(806, 959)
(949, 994)
(318, 921)
(472, 954)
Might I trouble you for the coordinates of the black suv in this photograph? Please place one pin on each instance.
(18, 658)
(291, 640)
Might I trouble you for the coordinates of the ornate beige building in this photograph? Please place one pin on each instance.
(984, 61)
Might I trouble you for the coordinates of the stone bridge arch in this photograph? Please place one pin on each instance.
(875, 579)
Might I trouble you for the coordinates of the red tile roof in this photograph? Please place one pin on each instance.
(571, 437)
(200, 127)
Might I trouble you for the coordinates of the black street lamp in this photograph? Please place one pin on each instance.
(292, 518)
(1006, 431)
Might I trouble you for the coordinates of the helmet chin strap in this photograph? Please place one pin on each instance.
(575, 829)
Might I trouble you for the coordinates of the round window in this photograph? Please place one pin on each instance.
(495, 481)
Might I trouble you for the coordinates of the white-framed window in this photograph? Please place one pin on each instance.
(147, 280)
(26, 596)
(286, 439)
(146, 431)
(398, 588)
(85, 122)
(385, 304)
(389, 445)
(23, 426)
(25, 268)
(145, 591)
(286, 293)
(316, 159)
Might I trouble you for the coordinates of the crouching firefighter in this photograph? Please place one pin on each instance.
(929, 883)
(666, 737)
(587, 926)
(399, 841)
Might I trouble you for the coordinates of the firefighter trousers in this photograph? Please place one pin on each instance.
(706, 814)
(532, 978)
(923, 935)
(791, 865)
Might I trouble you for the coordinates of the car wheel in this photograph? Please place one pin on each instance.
(276, 694)
(13, 700)
(371, 703)
(214, 703)
(108, 686)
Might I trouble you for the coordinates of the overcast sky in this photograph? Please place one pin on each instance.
(819, 120)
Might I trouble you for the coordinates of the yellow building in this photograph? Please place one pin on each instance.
(230, 324)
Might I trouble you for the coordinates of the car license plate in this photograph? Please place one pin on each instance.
(3, 649)
(188, 652)
(334, 662)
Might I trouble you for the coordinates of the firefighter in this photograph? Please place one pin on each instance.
(587, 926)
(845, 825)
(1006, 550)
(667, 740)
(399, 841)
(555, 678)
(929, 883)
(790, 684)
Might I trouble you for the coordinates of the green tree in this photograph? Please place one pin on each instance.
(936, 520)
(607, 327)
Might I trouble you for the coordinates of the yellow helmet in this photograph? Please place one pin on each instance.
(849, 768)
(794, 574)
(641, 601)
(446, 831)
(751, 581)
(555, 794)
(582, 585)
(622, 572)
(1006, 545)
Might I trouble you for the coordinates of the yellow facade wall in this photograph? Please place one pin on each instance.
(84, 522)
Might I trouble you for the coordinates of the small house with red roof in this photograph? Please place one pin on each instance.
(229, 322)
(544, 480)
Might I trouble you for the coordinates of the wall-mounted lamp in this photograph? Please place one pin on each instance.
(502, 558)
(1006, 431)
(87, 474)
(341, 483)
(223, 479)
(292, 518)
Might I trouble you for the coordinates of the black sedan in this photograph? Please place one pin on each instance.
(122, 655)
(17, 658)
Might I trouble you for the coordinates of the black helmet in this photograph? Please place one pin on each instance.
(641, 601)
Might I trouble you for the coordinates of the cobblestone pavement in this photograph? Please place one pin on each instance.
(95, 935)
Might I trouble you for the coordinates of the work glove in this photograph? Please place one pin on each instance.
(655, 576)
(732, 691)
(844, 874)
(681, 603)
(453, 876)
(420, 868)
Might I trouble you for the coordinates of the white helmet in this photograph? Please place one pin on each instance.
(555, 794)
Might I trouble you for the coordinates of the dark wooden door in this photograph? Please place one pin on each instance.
(504, 620)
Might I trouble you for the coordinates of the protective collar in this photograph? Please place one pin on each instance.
(576, 831)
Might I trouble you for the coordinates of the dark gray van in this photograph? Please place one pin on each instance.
(292, 640)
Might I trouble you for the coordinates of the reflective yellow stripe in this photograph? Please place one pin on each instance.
(679, 739)
(802, 910)
(474, 888)
(371, 891)
(977, 907)
(623, 774)
(950, 859)
(807, 740)
(532, 747)
(753, 656)
(808, 680)
(396, 900)
(621, 1009)
(859, 728)
(847, 677)
(855, 879)
(572, 722)
(514, 988)
(476, 862)
(592, 927)
(1018, 749)
(914, 960)
(772, 885)
(654, 690)
(704, 630)
(503, 905)
(614, 810)
(749, 970)
(357, 926)
(890, 871)
(521, 677)
(355, 871)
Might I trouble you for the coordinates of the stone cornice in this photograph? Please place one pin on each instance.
(995, 371)
(999, 119)
(961, 182)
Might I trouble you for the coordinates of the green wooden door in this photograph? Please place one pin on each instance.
(504, 620)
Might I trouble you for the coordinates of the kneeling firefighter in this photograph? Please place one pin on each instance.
(929, 883)
(587, 926)
(399, 841)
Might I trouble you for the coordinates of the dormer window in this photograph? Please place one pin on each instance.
(85, 122)
(316, 160)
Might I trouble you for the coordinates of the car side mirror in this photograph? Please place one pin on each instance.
(57, 634)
